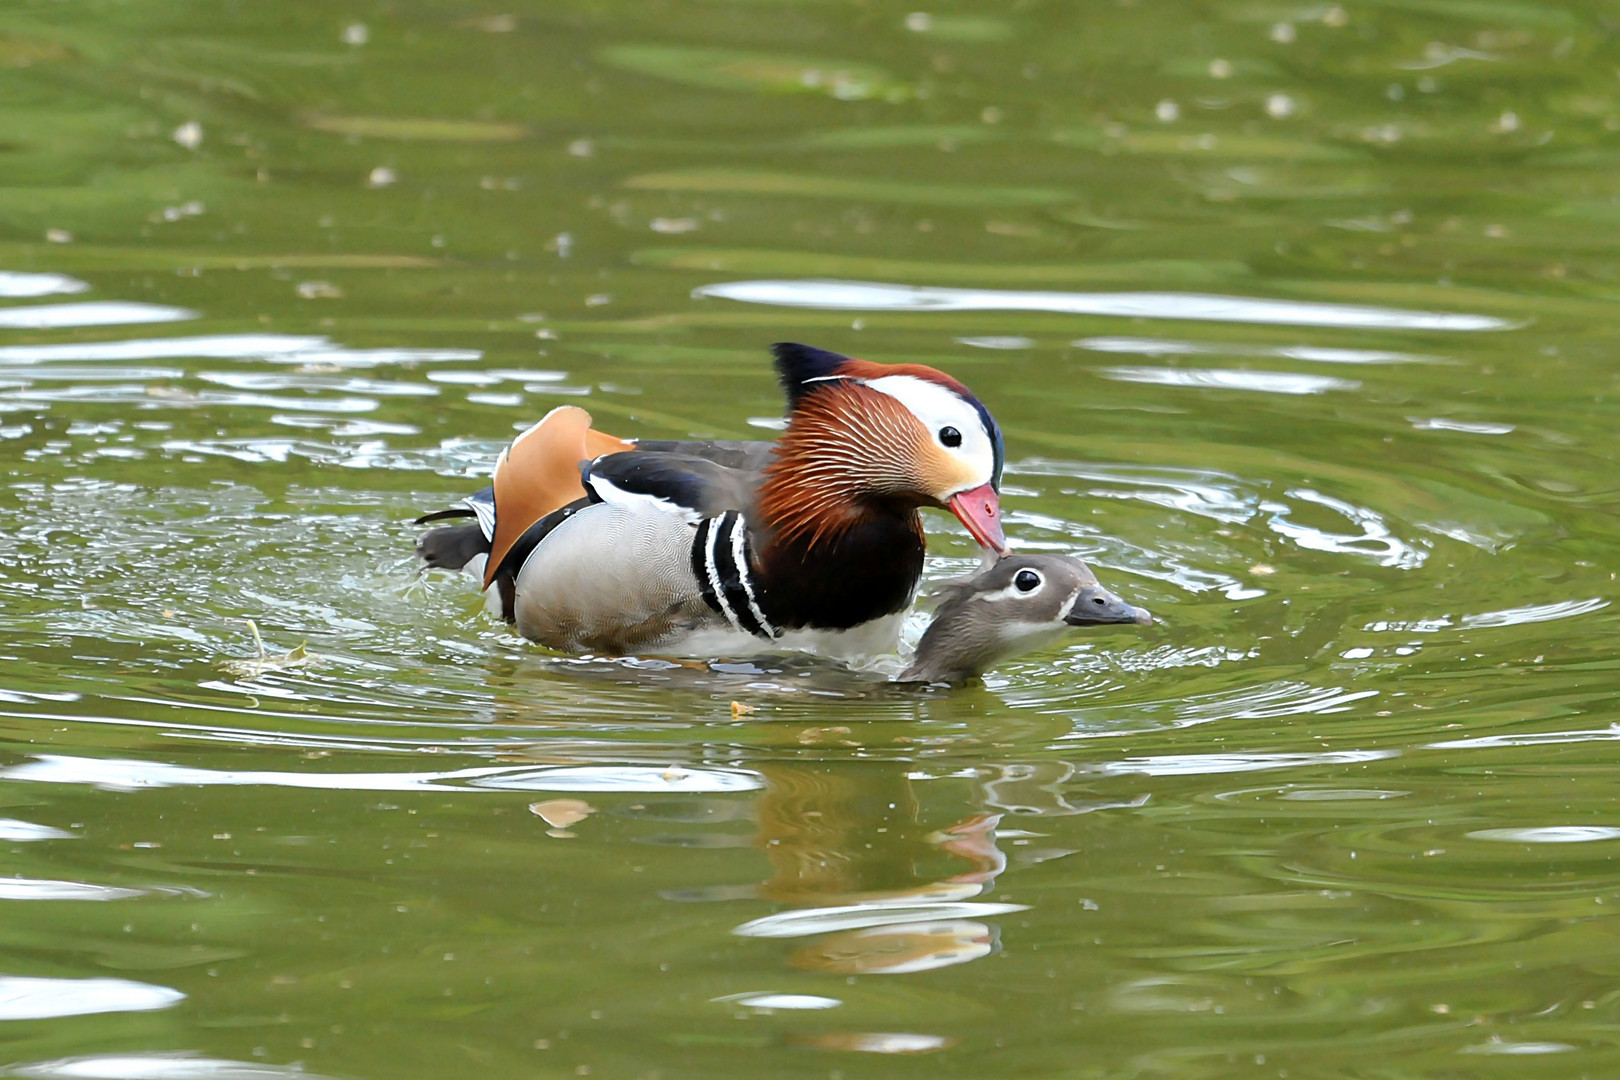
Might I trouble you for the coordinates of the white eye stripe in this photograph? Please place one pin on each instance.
(1012, 592)
(936, 408)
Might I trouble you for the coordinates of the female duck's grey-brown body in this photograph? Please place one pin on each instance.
(1017, 604)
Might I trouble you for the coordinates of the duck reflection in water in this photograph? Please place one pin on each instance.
(848, 849)
(868, 885)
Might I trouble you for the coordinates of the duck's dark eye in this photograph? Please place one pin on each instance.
(1026, 581)
(949, 436)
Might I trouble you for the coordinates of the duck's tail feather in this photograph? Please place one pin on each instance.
(443, 515)
(452, 547)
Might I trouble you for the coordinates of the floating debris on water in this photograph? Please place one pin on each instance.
(296, 658)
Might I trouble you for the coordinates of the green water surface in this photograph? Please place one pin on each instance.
(1300, 319)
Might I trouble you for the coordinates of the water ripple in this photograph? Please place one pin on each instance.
(1549, 834)
(881, 296)
(1210, 764)
(24, 998)
(18, 888)
(14, 831)
(769, 1000)
(1466, 427)
(1314, 353)
(1516, 616)
(1199, 491)
(1536, 738)
(156, 1066)
(1533, 613)
(803, 922)
(16, 285)
(1375, 538)
(1266, 382)
(274, 348)
(252, 380)
(90, 313)
(1498, 1045)
(122, 774)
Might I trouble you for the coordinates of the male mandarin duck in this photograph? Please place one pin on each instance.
(1016, 604)
(612, 546)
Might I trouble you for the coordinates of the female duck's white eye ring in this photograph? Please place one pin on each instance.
(950, 437)
(1026, 581)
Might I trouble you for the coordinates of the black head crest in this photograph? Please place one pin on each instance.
(799, 366)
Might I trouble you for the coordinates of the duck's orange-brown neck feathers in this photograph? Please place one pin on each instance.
(846, 447)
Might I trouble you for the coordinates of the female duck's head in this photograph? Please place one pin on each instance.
(1017, 604)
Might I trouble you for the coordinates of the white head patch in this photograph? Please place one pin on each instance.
(937, 409)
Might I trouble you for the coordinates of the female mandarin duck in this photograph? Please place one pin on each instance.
(1014, 605)
(597, 544)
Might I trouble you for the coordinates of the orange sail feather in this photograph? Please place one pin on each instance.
(539, 473)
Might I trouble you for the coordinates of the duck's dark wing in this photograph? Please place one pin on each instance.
(689, 484)
(746, 454)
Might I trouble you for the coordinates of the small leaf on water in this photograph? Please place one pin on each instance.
(561, 813)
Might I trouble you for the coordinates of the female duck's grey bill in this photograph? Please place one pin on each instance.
(1096, 606)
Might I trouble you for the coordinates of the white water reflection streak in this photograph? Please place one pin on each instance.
(274, 348)
(768, 1000)
(17, 285)
(1376, 539)
(1314, 353)
(1265, 382)
(124, 774)
(1549, 834)
(155, 1066)
(880, 296)
(17, 831)
(806, 921)
(18, 888)
(1490, 620)
(25, 998)
(1209, 764)
(90, 313)
(1534, 738)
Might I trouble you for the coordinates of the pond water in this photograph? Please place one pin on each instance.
(1299, 318)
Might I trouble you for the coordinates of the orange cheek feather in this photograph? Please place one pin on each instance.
(976, 505)
(942, 474)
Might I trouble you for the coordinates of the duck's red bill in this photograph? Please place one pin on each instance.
(980, 511)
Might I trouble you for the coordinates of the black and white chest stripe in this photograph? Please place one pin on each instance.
(722, 564)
